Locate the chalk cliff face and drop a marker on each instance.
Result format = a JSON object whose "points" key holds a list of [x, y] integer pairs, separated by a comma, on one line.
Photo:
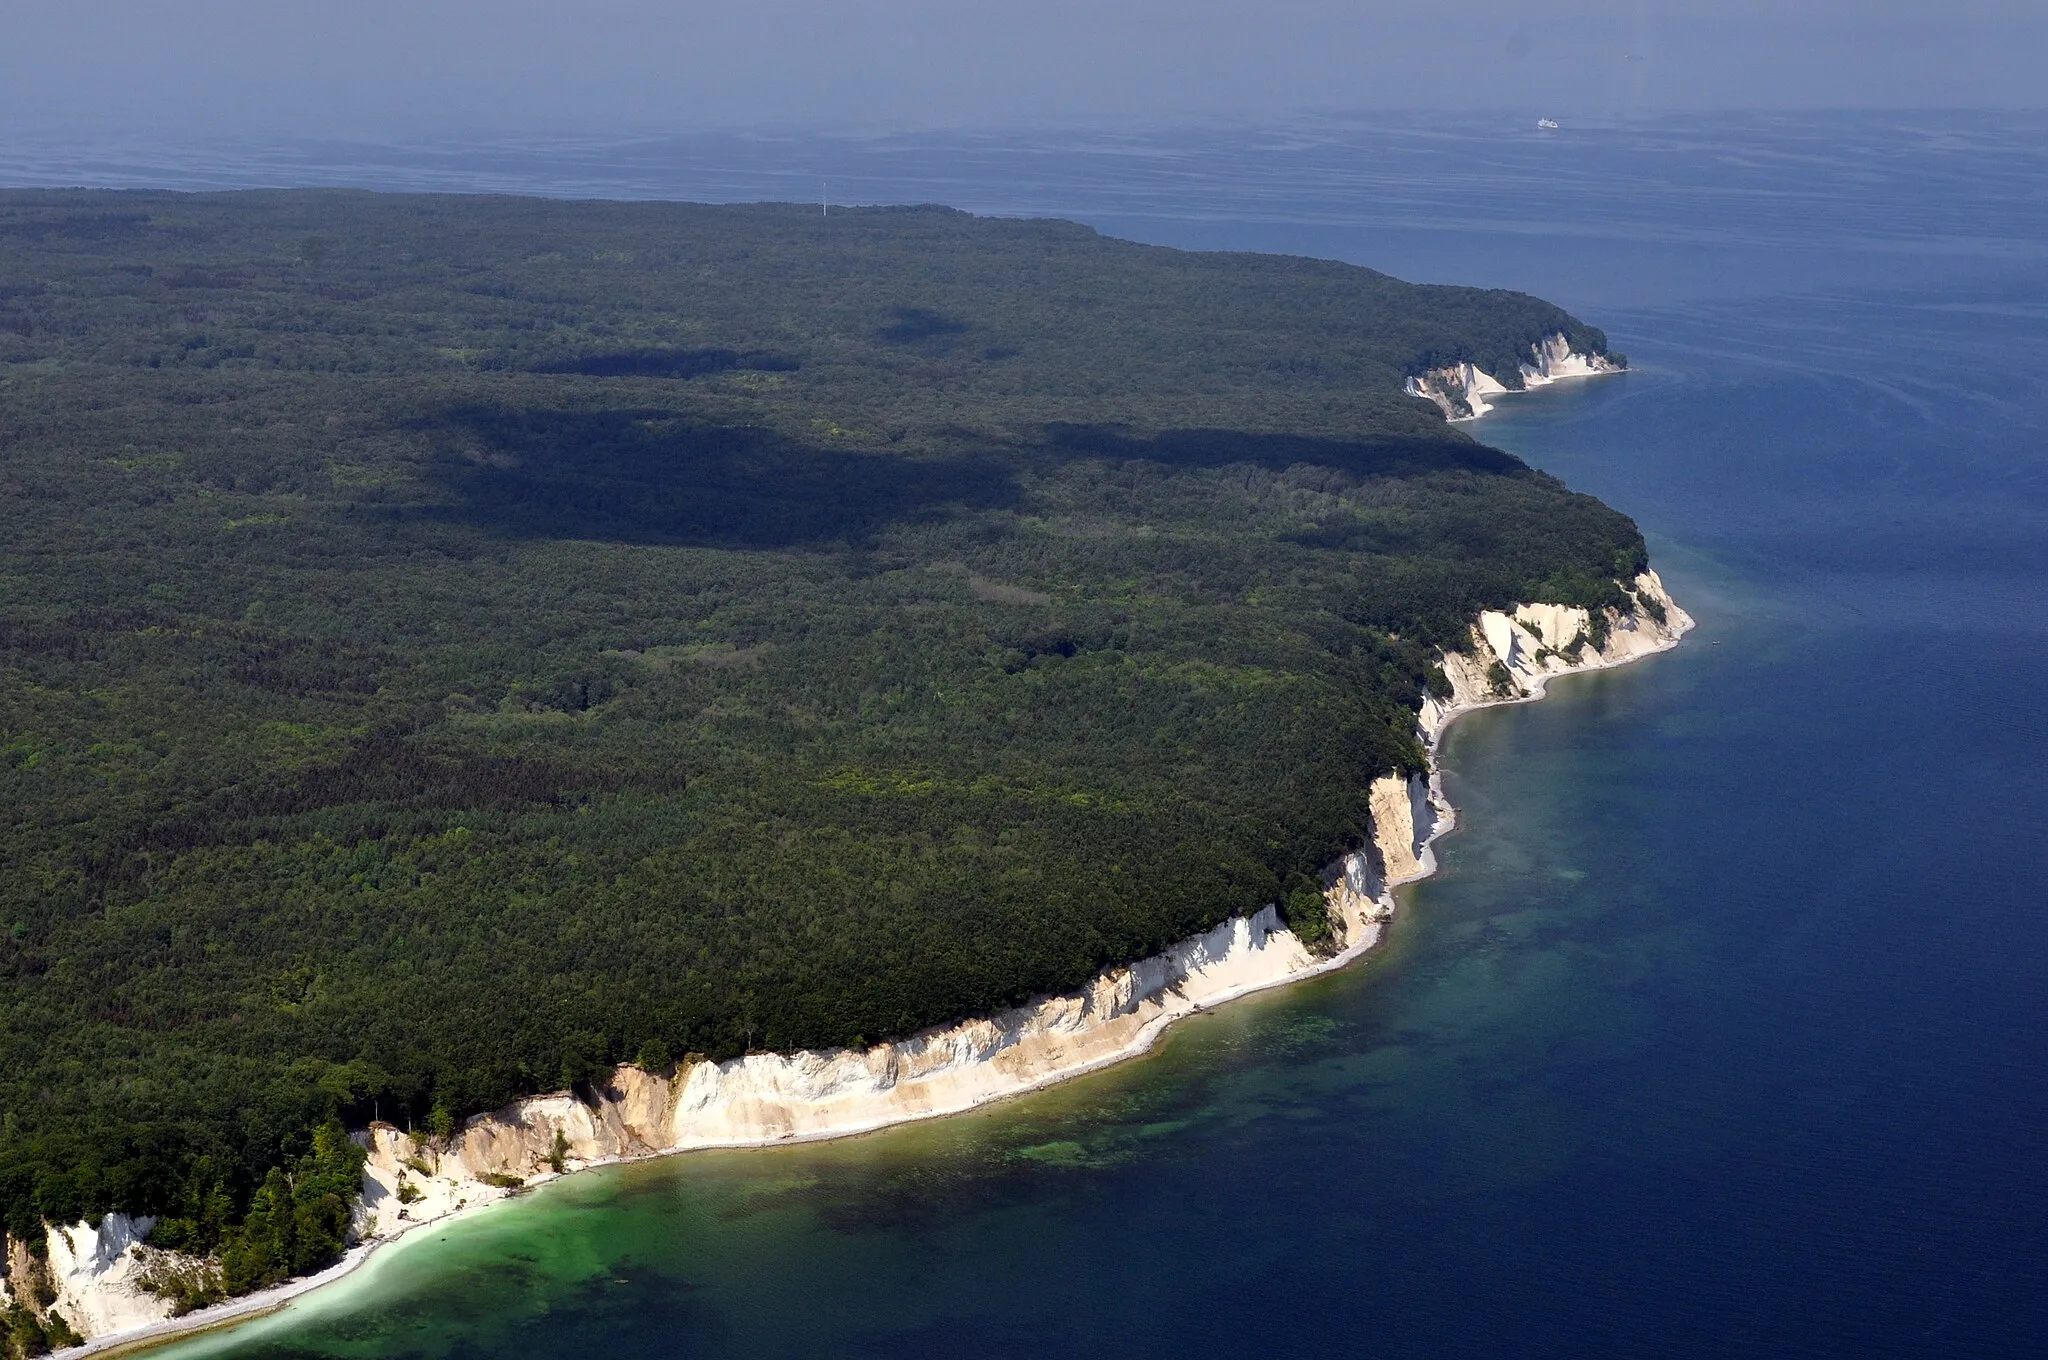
{"points": [[1553, 358], [21, 1271], [98, 1272], [783, 1097], [1461, 390], [1539, 641], [90, 1278]]}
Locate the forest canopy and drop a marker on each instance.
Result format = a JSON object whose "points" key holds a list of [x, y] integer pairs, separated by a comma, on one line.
{"points": [[452, 645]]}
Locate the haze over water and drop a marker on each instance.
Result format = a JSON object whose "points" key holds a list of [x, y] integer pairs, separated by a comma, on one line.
{"points": [[1720, 1033]]}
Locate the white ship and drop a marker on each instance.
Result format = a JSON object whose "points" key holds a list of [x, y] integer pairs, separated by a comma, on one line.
{"points": [[1547, 123]]}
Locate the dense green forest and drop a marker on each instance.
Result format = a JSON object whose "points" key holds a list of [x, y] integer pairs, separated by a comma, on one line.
{"points": [[449, 646]]}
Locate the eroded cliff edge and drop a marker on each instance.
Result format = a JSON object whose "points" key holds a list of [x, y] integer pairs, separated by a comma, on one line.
{"points": [[105, 1283]]}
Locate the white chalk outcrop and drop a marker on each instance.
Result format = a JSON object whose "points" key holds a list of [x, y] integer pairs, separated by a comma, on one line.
{"points": [[98, 1272], [1461, 390], [91, 1278], [1553, 358], [767, 1098], [1538, 642]]}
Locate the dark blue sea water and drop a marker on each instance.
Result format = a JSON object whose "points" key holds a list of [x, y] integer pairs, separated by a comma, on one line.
{"points": [[1722, 1031]]}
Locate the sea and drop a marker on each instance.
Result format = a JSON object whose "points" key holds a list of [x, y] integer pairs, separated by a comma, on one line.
{"points": [[1724, 1029]]}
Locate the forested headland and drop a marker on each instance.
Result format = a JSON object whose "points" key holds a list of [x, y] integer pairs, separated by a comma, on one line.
{"points": [[452, 645]]}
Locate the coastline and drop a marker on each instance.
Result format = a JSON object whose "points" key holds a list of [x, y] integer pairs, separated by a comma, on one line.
{"points": [[1357, 890]]}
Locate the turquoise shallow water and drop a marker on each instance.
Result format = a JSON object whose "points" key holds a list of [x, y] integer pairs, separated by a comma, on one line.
{"points": [[1720, 1032]]}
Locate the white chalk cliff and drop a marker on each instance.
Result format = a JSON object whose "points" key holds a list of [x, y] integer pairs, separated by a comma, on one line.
{"points": [[1553, 358], [1461, 390], [97, 1272], [767, 1098]]}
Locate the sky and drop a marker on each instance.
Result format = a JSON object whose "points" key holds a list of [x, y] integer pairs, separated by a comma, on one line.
{"points": [[342, 68]]}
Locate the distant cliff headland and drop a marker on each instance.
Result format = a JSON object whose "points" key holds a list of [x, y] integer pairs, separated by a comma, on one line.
{"points": [[463, 649]]}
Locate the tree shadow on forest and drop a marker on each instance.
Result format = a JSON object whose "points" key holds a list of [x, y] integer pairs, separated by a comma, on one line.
{"points": [[1391, 456], [668, 363], [913, 325], [650, 476], [653, 476]]}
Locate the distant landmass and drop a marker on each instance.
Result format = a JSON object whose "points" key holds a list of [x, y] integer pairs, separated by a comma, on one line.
{"points": [[455, 646]]}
